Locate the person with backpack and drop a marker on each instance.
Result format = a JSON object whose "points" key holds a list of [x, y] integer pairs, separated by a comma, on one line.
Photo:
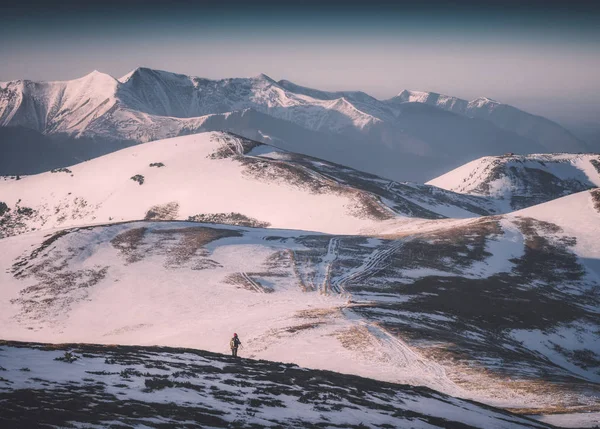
{"points": [[234, 344]]}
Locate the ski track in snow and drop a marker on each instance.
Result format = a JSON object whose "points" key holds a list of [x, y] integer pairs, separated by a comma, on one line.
{"points": [[374, 263], [324, 284], [257, 287], [405, 357]]}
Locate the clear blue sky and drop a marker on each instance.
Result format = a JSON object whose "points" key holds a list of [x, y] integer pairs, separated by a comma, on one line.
{"points": [[540, 55]]}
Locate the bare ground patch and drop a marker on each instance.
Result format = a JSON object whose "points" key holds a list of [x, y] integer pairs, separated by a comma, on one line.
{"points": [[232, 218], [452, 250], [168, 211], [233, 146], [302, 327], [319, 313], [357, 339], [129, 242], [595, 194], [466, 321], [191, 242], [57, 286]]}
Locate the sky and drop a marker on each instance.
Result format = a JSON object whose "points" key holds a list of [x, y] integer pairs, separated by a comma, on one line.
{"points": [[542, 56]]}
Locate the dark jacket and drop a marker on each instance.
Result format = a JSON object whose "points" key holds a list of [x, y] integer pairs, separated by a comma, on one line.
{"points": [[235, 342]]}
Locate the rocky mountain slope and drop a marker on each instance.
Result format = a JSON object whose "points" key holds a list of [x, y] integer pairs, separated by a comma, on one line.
{"points": [[149, 105], [518, 181], [168, 387], [500, 309], [221, 178]]}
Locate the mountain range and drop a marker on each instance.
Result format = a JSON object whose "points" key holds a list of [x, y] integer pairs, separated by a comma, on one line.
{"points": [[414, 136]]}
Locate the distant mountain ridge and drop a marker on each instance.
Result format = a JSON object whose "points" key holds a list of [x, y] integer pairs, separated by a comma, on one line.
{"points": [[409, 137], [546, 132]]}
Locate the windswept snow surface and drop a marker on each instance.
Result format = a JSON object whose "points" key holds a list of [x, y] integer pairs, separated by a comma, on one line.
{"points": [[158, 387], [475, 308], [519, 181], [193, 285], [216, 177]]}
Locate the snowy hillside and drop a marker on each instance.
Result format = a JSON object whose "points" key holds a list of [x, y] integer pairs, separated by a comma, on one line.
{"points": [[220, 177], [167, 387], [498, 309], [523, 181], [385, 137], [549, 134]]}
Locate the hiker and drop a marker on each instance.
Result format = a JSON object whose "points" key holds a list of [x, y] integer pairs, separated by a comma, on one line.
{"points": [[234, 344]]}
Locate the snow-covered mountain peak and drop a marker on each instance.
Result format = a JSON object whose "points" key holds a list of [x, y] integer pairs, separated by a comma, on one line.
{"points": [[96, 81], [483, 102], [446, 102], [261, 77], [145, 73], [94, 74], [413, 96]]}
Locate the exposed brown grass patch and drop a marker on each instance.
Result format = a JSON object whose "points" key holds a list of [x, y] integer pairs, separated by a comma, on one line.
{"points": [[128, 243], [595, 194], [56, 290], [319, 313], [168, 211], [191, 242], [450, 250], [547, 256], [232, 218], [554, 395], [356, 338], [303, 327]]}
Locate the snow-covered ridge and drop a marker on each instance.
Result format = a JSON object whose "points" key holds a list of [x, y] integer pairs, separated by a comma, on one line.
{"points": [[446, 102], [215, 174], [544, 131], [524, 180], [158, 386]]}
